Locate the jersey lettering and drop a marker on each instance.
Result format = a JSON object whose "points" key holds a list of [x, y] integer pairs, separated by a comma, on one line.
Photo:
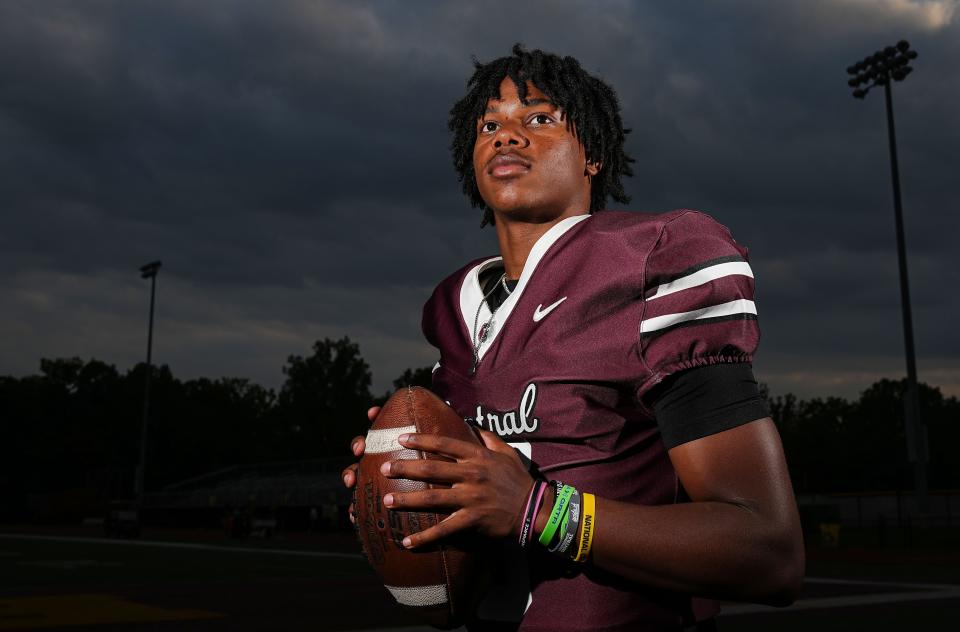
{"points": [[511, 422]]}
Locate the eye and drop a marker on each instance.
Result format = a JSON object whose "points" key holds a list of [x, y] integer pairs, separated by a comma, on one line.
{"points": [[538, 120], [488, 127]]}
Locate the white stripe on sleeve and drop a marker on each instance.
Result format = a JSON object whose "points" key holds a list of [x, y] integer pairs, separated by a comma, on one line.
{"points": [[705, 275], [740, 306]]}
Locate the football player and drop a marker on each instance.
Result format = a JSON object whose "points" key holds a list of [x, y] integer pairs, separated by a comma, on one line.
{"points": [[609, 351]]}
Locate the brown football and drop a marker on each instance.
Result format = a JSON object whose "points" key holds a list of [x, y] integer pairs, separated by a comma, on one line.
{"points": [[439, 583]]}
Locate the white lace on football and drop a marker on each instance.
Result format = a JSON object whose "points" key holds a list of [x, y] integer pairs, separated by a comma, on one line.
{"points": [[419, 595], [380, 441]]}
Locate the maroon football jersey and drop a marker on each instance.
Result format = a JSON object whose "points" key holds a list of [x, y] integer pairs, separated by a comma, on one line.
{"points": [[606, 307]]}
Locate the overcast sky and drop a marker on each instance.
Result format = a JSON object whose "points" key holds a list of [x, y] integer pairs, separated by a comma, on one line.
{"points": [[288, 161]]}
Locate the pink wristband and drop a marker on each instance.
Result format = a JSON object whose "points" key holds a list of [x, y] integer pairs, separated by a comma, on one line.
{"points": [[530, 510]]}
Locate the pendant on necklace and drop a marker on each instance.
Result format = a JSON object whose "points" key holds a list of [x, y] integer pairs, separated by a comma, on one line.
{"points": [[484, 332]]}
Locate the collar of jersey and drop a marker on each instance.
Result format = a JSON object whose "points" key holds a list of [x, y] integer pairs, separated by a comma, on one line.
{"points": [[471, 294]]}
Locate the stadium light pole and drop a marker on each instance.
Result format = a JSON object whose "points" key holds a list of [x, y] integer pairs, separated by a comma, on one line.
{"points": [[147, 271], [882, 68]]}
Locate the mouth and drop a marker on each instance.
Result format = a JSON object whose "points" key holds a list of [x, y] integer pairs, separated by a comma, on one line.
{"points": [[507, 166]]}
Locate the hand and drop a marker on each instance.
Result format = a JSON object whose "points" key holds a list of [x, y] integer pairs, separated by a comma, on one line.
{"points": [[357, 446], [489, 486]]}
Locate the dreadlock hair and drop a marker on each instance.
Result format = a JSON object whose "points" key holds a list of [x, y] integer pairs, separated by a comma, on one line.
{"points": [[590, 106]]}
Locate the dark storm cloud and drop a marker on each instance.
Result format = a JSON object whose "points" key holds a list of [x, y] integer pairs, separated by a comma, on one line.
{"points": [[289, 162], [155, 121]]}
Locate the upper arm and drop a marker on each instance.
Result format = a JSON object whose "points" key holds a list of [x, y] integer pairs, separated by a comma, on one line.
{"points": [[744, 466]]}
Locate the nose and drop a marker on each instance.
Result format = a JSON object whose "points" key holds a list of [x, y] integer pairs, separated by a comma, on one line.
{"points": [[511, 136]]}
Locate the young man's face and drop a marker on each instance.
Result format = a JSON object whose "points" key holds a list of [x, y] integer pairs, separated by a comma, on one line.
{"points": [[528, 165]]}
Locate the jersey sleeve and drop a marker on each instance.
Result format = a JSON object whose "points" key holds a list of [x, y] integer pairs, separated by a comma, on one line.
{"points": [[698, 305]]}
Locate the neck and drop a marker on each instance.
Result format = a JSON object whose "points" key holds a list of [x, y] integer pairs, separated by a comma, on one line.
{"points": [[517, 238]]}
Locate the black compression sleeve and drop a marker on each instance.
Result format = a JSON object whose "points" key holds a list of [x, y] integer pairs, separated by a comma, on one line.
{"points": [[706, 400]]}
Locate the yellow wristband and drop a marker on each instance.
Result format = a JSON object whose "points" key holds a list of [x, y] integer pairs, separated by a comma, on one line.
{"points": [[587, 527]]}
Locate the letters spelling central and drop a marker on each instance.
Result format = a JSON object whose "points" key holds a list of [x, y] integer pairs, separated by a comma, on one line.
{"points": [[512, 422]]}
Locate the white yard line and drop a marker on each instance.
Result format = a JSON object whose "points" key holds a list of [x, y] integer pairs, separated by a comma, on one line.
{"points": [[181, 545]]}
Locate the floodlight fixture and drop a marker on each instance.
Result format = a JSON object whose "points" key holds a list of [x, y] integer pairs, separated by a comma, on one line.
{"points": [[881, 68], [149, 270]]}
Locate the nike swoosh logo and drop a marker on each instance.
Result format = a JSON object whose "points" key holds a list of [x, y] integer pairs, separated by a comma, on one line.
{"points": [[539, 313]]}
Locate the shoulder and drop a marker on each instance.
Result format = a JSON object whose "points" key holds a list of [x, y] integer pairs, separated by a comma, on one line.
{"points": [[687, 241], [687, 222], [666, 242], [613, 220]]}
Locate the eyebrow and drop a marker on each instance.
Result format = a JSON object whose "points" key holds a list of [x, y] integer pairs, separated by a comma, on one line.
{"points": [[526, 103]]}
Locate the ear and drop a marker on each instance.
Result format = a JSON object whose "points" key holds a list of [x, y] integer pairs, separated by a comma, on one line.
{"points": [[592, 168]]}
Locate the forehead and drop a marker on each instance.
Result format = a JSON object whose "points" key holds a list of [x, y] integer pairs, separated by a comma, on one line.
{"points": [[509, 94]]}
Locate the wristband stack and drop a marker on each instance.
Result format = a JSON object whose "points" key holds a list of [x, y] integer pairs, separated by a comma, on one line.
{"points": [[570, 527]]}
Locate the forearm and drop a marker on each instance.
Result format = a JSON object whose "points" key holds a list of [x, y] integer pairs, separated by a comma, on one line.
{"points": [[706, 548], [739, 537]]}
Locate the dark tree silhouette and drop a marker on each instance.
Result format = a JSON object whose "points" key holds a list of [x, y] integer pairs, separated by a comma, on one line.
{"points": [[206, 424], [323, 401], [72, 431], [834, 445]]}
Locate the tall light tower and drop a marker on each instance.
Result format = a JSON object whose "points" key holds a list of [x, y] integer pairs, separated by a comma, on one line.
{"points": [[147, 271], [881, 69]]}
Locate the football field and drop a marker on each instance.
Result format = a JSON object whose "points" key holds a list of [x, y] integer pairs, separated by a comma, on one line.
{"points": [[320, 582]]}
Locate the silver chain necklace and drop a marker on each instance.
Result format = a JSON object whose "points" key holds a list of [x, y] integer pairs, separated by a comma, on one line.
{"points": [[480, 335]]}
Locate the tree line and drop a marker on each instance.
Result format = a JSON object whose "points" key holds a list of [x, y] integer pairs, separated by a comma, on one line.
{"points": [[838, 445], [77, 424]]}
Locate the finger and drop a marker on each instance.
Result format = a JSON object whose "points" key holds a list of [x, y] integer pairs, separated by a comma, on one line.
{"points": [[349, 475], [352, 509], [373, 412], [457, 521], [358, 445], [454, 448], [495, 443], [431, 499], [429, 470]]}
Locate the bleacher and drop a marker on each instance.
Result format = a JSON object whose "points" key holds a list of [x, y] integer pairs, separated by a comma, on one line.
{"points": [[308, 483]]}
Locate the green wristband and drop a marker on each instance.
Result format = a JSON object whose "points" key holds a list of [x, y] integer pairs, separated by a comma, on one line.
{"points": [[560, 507], [570, 525]]}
